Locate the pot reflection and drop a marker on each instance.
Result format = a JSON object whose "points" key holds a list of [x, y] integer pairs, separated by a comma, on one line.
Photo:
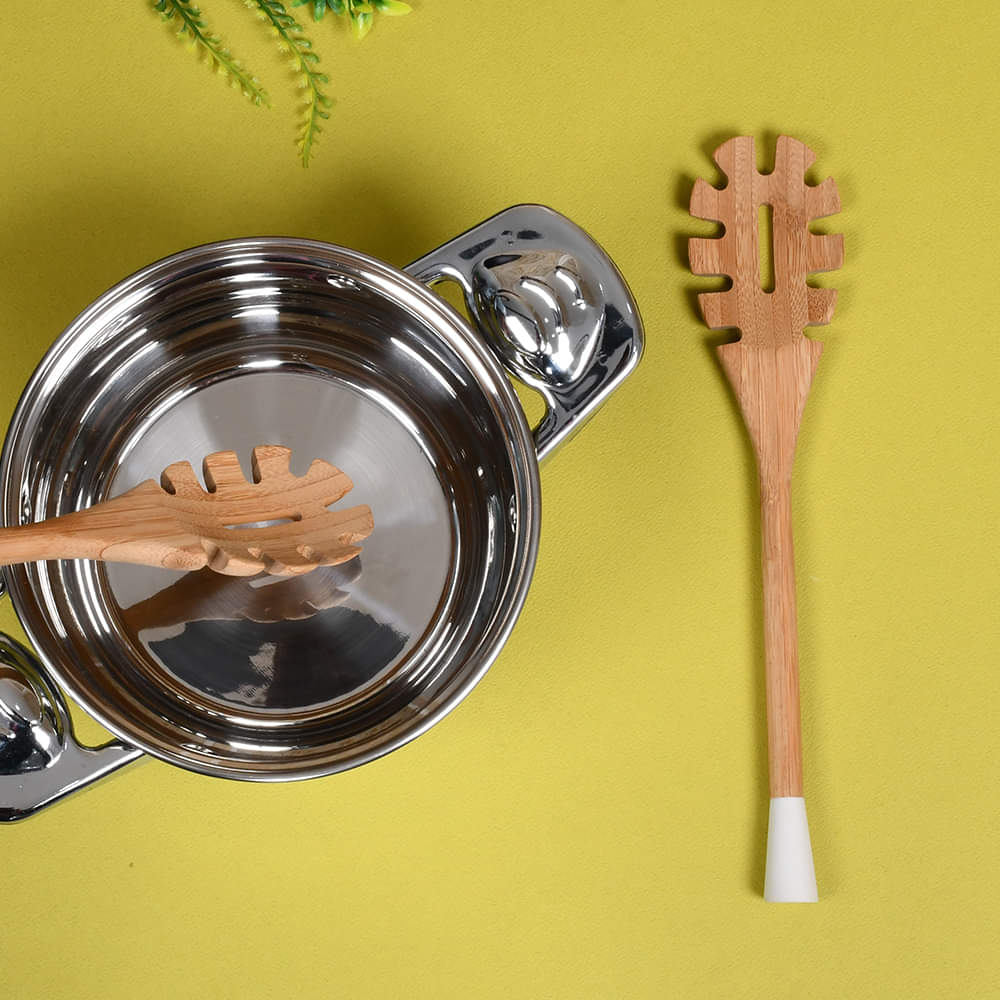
{"points": [[254, 642], [209, 596]]}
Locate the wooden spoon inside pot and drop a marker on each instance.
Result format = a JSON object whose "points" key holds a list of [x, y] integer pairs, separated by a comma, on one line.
{"points": [[279, 523]]}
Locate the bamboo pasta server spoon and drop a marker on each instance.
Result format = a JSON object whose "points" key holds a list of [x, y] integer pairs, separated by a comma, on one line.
{"points": [[771, 368], [278, 524]]}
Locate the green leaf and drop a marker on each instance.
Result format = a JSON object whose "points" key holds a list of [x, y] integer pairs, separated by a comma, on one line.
{"points": [[392, 8], [206, 41], [361, 24], [292, 39]]}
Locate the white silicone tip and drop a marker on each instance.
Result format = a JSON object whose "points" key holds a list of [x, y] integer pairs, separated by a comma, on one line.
{"points": [[789, 876]]}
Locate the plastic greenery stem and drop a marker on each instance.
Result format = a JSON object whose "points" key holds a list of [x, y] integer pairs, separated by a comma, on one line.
{"points": [[202, 38], [292, 39]]}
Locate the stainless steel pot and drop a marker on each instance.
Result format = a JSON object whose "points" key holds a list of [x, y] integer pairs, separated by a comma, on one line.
{"points": [[341, 357]]}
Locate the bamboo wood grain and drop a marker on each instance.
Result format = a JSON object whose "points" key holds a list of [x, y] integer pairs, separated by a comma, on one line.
{"points": [[771, 369], [179, 524]]}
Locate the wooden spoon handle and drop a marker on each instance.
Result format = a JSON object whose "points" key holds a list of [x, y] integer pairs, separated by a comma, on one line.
{"points": [[124, 529], [781, 643], [771, 386], [56, 538]]}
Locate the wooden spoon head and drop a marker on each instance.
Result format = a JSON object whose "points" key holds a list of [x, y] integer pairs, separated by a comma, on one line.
{"points": [[766, 319], [279, 523]]}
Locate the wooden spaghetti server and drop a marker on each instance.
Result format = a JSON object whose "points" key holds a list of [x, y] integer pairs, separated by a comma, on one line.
{"points": [[771, 368], [278, 524]]}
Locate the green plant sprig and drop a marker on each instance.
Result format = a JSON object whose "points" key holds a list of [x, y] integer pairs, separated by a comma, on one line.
{"points": [[360, 12], [292, 39], [219, 56]]}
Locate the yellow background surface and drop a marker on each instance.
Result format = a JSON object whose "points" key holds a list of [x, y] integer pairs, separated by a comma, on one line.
{"points": [[590, 822]]}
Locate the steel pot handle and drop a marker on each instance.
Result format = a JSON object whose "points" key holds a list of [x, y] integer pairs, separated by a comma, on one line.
{"points": [[40, 758], [552, 306]]}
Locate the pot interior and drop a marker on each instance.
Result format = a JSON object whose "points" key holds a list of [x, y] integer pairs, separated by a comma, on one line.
{"points": [[337, 357]]}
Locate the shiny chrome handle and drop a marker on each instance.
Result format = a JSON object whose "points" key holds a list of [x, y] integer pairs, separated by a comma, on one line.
{"points": [[40, 758], [551, 304]]}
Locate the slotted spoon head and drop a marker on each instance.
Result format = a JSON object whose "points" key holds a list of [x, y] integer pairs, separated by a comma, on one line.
{"points": [[279, 523], [776, 317]]}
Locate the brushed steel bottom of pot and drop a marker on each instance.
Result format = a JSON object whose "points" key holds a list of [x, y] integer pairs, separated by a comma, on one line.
{"points": [[271, 648]]}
